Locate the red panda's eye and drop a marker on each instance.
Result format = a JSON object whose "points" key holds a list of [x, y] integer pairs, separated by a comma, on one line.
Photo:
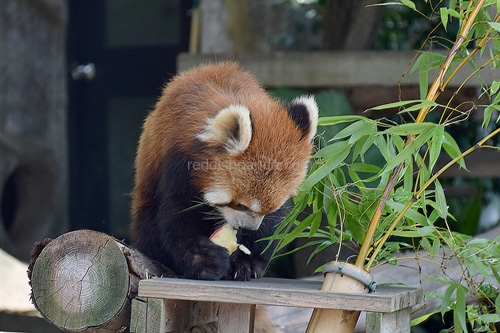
{"points": [[220, 205], [241, 207]]}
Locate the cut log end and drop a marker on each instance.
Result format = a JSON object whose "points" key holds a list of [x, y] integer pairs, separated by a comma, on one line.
{"points": [[85, 280], [80, 280]]}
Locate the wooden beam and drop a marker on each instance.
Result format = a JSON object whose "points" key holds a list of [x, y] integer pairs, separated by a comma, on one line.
{"points": [[328, 69]]}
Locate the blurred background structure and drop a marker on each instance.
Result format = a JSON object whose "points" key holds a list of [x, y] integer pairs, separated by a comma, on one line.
{"points": [[33, 123]]}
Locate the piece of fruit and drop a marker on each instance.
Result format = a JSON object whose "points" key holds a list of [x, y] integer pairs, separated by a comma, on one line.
{"points": [[225, 236]]}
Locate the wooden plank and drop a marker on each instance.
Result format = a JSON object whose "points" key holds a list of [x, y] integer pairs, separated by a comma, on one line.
{"points": [[286, 292], [172, 315], [155, 315], [328, 69], [147, 315], [138, 317], [201, 313], [236, 317], [394, 322]]}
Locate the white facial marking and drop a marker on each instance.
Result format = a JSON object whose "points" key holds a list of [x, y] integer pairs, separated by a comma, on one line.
{"points": [[217, 196], [255, 207], [240, 219]]}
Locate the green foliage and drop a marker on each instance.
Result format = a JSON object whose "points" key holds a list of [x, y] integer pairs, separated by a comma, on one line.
{"points": [[375, 183]]}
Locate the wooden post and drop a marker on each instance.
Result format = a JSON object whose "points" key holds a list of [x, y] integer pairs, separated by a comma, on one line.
{"points": [[234, 317], [84, 280], [394, 322], [341, 321]]}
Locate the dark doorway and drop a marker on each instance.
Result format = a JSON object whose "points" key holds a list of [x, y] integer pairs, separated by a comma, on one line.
{"points": [[120, 54]]}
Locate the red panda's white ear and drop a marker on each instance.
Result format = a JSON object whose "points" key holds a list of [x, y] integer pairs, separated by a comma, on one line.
{"points": [[304, 112], [230, 128]]}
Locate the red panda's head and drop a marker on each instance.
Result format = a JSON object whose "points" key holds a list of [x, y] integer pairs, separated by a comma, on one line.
{"points": [[258, 157]]}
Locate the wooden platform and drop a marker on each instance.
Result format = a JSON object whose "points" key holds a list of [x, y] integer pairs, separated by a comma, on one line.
{"points": [[233, 303]]}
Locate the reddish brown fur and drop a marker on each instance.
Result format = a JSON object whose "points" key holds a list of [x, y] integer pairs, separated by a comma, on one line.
{"points": [[190, 100], [187, 171]]}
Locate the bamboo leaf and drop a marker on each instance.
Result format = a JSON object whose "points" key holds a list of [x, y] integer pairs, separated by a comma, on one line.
{"points": [[286, 225], [488, 112], [408, 177], [298, 248], [435, 146], [494, 87], [366, 130], [330, 164], [495, 26], [423, 77], [436, 245], [383, 146], [321, 246], [452, 149], [409, 4], [460, 307], [410, 149], [331, 215], [442, 207], [359, 147], [332, 149], [364, 167], [422, 319], [398, 142], [411, 214], [329, 121], [368, 144], [423, 104], [478, 242], [410, 129], [416, 105], [416, 65], [496, 275], [490, 317], [356, 179], [353, 129], [425, 231], [424, 242], [338, 178], [406, 234], [315, 224], [454, 13], [443, 11], [446, 304], [373, 169], [423, 176], [354, 226], [295, 232]]}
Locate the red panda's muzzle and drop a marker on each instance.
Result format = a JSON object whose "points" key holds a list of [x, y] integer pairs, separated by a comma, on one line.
{"points": [[241, 219]]}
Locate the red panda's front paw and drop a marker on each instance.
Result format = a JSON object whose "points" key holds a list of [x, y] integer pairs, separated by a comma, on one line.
{"points": [[209, 262], [246, 270]]}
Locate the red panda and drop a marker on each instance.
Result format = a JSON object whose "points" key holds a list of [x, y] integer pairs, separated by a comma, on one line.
{"points": [[217, 149]]}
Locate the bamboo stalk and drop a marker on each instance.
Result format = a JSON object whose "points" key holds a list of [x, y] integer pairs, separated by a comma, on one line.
{"points": [[341, 321], [437, 87]]}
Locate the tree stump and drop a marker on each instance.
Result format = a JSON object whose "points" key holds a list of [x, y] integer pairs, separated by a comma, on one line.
{"points": [[84, 281]]}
